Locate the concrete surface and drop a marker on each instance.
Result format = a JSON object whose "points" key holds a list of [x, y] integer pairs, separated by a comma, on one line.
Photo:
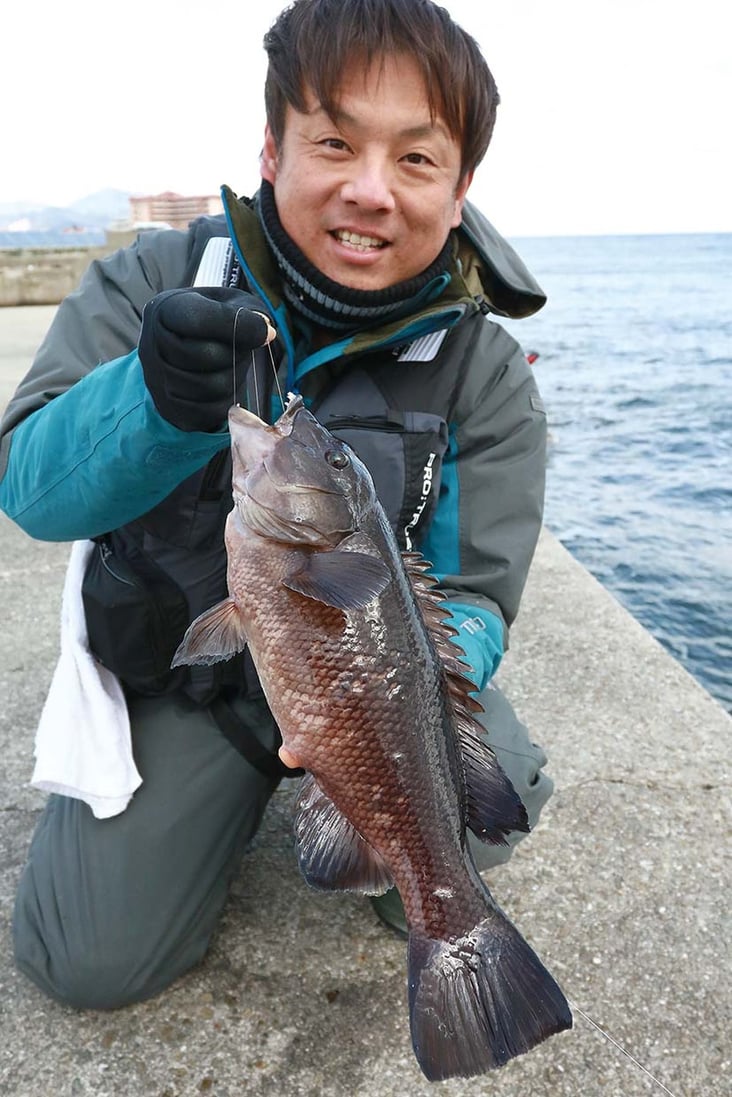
{"points": [[621, 888]]}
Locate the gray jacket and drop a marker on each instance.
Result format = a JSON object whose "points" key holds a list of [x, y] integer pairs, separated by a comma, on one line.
{"points": [[442, 406]]}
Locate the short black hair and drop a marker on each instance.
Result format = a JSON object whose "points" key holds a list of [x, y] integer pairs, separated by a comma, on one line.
{"points": [[312, 42]]}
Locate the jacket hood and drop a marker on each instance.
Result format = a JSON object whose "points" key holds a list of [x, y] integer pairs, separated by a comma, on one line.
{"points": [[508, 286]]}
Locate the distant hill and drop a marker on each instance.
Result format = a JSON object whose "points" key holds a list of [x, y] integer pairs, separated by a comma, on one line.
{"points": [[93, 212], [106, 205]]}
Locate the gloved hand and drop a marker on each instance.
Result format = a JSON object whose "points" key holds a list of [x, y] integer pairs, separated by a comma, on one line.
{"points": [[187, 351]]}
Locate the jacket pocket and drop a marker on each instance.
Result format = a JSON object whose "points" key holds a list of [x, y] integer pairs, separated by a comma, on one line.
{"points": [[135, 616], [403, 451]]}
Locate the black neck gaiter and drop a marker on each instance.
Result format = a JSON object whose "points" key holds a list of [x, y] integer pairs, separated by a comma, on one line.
{"points": [[331, 305]]}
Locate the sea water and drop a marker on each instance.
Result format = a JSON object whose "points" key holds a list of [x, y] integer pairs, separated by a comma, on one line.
{"points": [[635, 368]]}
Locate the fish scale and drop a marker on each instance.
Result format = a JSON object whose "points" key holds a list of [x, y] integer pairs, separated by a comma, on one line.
{"points": [[372, 701]]}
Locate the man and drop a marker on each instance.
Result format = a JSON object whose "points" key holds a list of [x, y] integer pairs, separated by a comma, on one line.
{"points": [[378, 277]]}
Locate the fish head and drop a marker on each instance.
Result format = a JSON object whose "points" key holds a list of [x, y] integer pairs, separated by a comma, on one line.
{"points": [[294, 481]]}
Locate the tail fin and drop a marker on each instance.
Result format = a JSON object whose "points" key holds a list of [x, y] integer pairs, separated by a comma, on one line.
{"points": [[477, 1001]]}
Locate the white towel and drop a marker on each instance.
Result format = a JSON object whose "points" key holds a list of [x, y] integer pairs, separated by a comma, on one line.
{"points": [[83, 745]]}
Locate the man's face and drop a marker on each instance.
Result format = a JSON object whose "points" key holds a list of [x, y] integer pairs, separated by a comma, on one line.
{"points": [[370, 197]]}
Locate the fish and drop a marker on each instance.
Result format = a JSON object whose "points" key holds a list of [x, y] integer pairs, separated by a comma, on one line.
{"points": [[372, 699]]}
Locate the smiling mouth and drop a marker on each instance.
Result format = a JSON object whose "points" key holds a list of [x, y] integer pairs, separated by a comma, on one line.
{"points": [[357, 241]]}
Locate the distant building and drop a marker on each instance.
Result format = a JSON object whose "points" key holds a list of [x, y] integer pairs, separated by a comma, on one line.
{"points": [[176, 210]]}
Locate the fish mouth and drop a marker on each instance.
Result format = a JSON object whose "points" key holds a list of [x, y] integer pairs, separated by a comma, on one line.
{"points": [[252, 440], [242, 417], [255, 441], [295, 403]]}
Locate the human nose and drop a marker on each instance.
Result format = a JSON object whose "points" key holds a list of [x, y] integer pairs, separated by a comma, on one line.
{"points": [[369, 184]]}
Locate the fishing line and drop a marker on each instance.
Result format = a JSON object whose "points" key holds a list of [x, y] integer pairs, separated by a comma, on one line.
{"points": [[607, 1036], [256, 385], [233, 358], [254, 372], [274, 373]]}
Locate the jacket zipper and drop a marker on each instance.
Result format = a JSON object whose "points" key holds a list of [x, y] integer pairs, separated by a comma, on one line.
{"points": [[374, 422], [107, 556]]}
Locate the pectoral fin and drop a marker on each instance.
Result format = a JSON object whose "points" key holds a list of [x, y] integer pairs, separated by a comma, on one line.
{"points": [[217, 634], [344, 579], [333, 855]]}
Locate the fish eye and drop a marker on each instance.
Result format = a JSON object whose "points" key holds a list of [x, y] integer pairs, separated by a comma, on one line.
{"points": [[337, 459]]}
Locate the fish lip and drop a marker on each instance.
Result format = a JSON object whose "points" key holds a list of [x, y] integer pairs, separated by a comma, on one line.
{"points": [[242, 417], [245, 418], [256, 437], [295, 404]]}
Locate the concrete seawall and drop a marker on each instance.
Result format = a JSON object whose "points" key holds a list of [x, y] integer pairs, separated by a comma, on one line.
{"points": [[44, 276], [621, 889], [41, 276]]}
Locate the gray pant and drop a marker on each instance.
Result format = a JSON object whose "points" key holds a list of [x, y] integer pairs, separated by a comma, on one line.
{"points": [[111, 911], [523, 763]]}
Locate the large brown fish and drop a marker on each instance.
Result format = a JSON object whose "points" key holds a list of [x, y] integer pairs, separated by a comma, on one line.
{"points": [[369, 694]]}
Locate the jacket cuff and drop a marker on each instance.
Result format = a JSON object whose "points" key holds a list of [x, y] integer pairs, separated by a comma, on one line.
{"points": [[480, 636]]}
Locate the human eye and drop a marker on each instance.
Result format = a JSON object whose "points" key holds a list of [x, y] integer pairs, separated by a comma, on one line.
{"points": [[418, 159], [335, 143]]}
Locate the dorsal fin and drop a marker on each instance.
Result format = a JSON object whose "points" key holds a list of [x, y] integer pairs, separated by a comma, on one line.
{"points": [[493, 808], [430, 601]]}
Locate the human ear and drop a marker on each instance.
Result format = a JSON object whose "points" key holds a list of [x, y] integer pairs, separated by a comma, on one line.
{"points": [[460, 193], [268, 157]]}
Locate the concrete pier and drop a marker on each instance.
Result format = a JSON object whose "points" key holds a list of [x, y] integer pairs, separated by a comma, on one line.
{"points": [[623, 889]]}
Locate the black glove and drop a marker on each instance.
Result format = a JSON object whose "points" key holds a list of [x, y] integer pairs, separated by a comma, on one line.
{"points": [[187, 352]]}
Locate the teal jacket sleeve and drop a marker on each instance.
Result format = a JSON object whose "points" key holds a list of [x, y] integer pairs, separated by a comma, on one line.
{"points": [[97, 456], [480, 638]]}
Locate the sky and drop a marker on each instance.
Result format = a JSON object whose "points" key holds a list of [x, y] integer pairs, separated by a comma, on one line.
{"points": [[614, 114]]}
